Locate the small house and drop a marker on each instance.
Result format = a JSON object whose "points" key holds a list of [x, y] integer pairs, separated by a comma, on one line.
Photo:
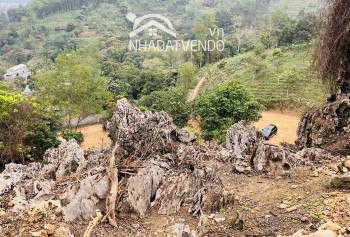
{"points": [[17, 71]]}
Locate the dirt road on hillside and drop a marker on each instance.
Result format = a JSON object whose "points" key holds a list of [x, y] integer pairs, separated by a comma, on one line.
{"points": [[193, 93], [287, 125]]}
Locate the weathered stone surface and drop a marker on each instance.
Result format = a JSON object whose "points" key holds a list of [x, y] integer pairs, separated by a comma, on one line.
{"points": [[88, 199], [15, 173], [341, 181], [185, 136], [143, 187], [323, 127], [241, 142], [138, 132], [248, 151], [43, 190], [68, 158], [143, 134], [312, 154], [270, 158], [201, 189]]}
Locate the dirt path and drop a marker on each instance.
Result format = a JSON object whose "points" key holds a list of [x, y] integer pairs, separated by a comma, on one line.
{"points": [[94, 136], [287, 125], [193, 94]]}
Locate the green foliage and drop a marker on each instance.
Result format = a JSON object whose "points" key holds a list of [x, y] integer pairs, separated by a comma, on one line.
{"points": [[71, 134], [74, 87], [278, 77], [223, 107], [171, 101], [27, 129], [187, 75]]}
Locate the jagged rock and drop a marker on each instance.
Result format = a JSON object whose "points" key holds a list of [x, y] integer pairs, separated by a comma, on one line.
{"points": [[144, 133], [247, 151], [313, 154], [185, 136], [201, 189], [43, 190], [19, 202], [143, 187], [341, 181], [90, 197], [241, 142], [323, 127], [15, 173], [68, 158], [270, 158], [140, 132]]}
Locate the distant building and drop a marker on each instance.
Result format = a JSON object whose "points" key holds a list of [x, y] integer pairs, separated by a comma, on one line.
{"points": [[17, 71]]}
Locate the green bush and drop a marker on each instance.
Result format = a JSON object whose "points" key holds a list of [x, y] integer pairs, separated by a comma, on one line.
{"points": [[27, 128], [171, 101], [223, 107], [277, 53], [70, 134]]}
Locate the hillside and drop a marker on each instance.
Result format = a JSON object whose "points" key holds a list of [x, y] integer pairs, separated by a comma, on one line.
{"points": [[44, 29], [293, 7], [274, 76]]}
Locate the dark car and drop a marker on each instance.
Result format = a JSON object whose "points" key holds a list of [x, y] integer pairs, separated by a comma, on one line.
{"points": [[269, 131]]}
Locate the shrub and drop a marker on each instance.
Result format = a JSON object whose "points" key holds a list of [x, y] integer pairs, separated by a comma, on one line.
{"points": [[224, 107], [70, 134]]}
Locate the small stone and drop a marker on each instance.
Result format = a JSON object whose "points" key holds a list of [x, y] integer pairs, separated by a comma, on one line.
{"points": [[294, 186], [268, 216], [293, 208], [211, 216], [283, 206], [341, 181], [218, 220], [314, 174], [304, 219], [50, 229], [41, 233]]}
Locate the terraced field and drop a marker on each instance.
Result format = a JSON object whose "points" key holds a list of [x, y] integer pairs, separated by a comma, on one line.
{"points": [[274, 77]]}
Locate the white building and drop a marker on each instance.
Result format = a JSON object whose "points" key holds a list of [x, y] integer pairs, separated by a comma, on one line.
{"points": [[17, 71]]}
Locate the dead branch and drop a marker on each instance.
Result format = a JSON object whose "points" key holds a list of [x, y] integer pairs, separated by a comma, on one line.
{"points": [[112, 195], [92, 224]]}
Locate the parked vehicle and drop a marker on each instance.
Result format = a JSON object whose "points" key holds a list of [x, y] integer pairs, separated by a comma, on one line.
{"points": [[269, 131]]}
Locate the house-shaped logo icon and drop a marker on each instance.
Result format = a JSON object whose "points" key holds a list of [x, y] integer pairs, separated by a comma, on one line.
{"points": [[152, 25]]}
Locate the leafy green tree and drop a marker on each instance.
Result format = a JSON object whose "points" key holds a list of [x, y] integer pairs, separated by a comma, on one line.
{"points": [[223, 107], [74, 87], [27, 128], [171, 101]]}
